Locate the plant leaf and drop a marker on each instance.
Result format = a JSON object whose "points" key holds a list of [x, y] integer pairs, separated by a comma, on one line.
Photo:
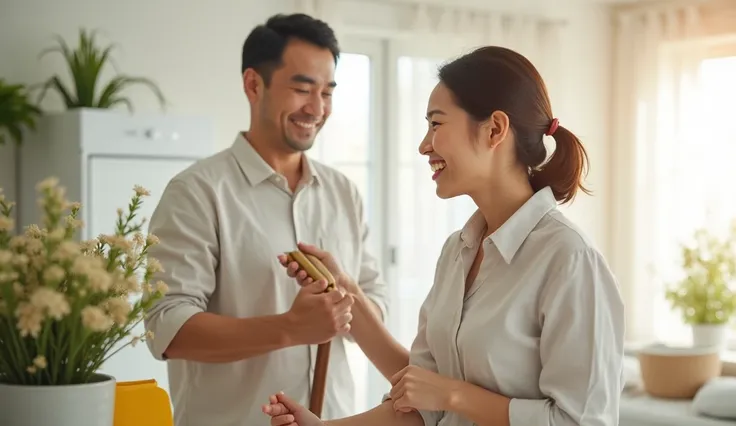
{"points": [[119, 83], [124, 101], [16, 112]]}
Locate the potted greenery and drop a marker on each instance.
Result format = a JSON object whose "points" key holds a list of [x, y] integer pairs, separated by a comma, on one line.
{"points": [[706, 296], [16, 112], [66, 307], [85, 64]]}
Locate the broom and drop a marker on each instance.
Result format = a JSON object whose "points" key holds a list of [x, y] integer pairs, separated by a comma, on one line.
{"points": [[316, 270]]}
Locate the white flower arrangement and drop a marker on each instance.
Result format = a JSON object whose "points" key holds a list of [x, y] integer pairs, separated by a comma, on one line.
{"points": [[64, 304]]}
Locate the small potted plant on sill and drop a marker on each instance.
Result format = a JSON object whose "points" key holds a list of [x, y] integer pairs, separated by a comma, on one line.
{"points": [[706, 296], [66, 307]]}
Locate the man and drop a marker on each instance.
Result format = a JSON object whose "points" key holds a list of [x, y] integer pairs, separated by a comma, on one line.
{"points": [[234, 327]]}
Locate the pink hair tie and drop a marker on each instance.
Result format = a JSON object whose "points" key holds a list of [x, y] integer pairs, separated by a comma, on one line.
{"points": [[553, 127]]}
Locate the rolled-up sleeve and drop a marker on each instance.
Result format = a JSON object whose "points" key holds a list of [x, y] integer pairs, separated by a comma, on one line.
{"points": [[185, 223], [581, 348]]}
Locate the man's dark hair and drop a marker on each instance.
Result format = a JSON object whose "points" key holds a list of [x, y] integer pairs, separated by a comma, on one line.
{"points": [[263, 49]]}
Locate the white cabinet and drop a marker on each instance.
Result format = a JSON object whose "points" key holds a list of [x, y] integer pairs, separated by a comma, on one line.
{"points": [[99, 156]]}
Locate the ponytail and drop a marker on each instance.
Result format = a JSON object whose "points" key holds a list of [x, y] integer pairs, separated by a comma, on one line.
{"points": [[565, 169]]}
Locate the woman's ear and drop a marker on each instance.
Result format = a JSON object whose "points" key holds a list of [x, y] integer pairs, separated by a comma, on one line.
{"points": [[496, 128]]}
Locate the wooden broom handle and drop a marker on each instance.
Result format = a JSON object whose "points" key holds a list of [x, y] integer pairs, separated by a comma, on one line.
{"points": [[319, 380]]}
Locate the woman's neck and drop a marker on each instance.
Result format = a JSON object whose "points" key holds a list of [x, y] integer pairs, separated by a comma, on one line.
{"points": [[499, 202]]}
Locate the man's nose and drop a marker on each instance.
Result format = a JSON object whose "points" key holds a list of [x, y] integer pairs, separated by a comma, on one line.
{"points": [[315, 106]]}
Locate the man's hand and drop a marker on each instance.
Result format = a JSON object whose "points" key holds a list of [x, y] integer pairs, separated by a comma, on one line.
{"points": [[342, 279], [316, 317], [285, 412]]}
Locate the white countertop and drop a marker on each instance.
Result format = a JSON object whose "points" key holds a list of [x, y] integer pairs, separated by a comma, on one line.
{"points": [[640, 409]]}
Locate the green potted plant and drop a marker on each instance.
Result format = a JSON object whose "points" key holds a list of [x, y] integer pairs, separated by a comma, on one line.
{"points": [[705, 296], [16, 112], [85, 64], [68, 306]]}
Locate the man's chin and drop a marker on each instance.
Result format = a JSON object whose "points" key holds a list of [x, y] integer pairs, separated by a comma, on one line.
{"points": [[300, 145]]}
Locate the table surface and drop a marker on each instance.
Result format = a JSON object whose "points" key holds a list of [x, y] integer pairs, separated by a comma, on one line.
{"points": [[640, 409]]}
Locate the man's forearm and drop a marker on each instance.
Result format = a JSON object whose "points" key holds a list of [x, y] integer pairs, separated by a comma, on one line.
{"points": [[385, 352], [208, 337], [383, 415]]}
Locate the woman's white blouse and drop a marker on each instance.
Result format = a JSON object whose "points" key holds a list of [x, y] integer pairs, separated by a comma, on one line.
{"points": [[543, 323]]}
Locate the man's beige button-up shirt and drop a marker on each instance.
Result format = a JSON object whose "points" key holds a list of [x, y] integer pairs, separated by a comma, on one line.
{"points": [[221, 224]]}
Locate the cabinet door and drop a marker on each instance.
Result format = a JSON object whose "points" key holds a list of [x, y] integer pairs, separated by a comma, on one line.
{"points": [[110, 182]]}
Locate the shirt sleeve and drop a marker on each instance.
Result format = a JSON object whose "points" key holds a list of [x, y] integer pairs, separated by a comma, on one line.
{"points": [[185, 223], [581, 348]]}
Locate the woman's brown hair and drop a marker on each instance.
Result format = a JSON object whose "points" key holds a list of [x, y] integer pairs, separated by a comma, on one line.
{"points": [[494, 78]]}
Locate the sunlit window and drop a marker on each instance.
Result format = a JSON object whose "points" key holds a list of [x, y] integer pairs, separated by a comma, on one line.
{"points": [[696, 188]]}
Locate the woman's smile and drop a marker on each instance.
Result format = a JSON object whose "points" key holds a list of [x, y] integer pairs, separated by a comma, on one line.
{"points": [[438, 166]]}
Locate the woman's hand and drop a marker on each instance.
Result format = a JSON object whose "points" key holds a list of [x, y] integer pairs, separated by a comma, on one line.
{"points": [[414, 388], [293, 270], [285, 412]]}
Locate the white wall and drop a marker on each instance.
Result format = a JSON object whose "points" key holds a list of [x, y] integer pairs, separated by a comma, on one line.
{"points": [[583, 104], [193, 52]]}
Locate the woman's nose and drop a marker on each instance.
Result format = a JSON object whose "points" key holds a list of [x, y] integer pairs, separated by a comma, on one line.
{"points": [[425, 146]]}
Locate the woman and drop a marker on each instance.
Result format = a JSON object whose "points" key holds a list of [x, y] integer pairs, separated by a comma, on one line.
{"points": [[524, 323]]}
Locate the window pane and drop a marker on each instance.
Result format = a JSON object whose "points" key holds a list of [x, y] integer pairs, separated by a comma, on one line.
{"points": [[699, 165], [346, 136]]}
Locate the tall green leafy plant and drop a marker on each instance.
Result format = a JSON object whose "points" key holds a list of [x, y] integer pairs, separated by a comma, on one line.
{"points": [[16, 112], [85, 64], [706, 295]]}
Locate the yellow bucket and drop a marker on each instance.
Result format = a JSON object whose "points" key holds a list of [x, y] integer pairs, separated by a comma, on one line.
{"points": [[142, 403]]}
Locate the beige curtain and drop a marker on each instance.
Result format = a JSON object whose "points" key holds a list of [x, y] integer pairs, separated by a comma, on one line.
{"points": [[656, 87]]}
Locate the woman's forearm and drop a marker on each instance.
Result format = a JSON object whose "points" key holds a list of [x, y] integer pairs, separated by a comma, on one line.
{"points": [[383, 415], [385, 352], [481, 406]]}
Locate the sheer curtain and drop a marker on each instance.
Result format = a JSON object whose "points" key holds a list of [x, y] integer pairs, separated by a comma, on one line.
{"points": [[663, 166]]}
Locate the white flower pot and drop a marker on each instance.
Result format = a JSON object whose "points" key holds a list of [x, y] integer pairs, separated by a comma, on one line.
{"points": [[710, 335], [91, 404]]}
